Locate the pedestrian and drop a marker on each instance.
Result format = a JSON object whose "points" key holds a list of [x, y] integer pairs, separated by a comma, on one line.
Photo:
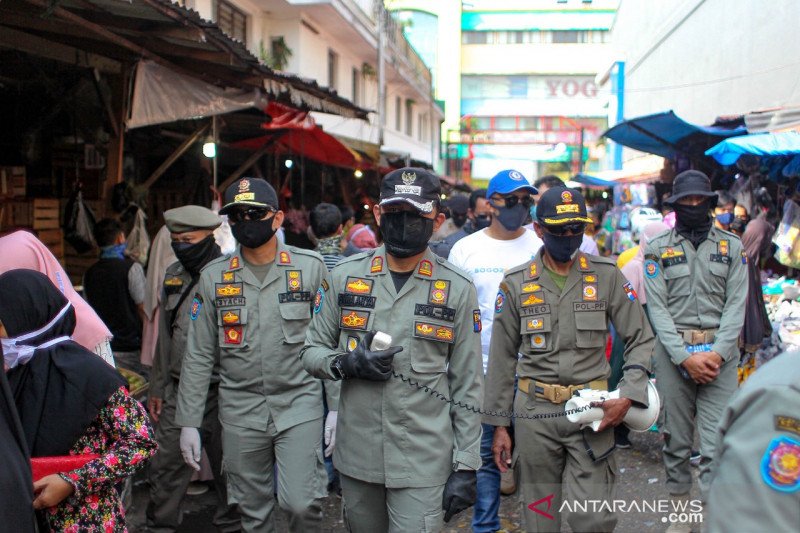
{"points": [[252, 308], [114, 286], [724, 210], [456, 209], [360, 238], [160, 257], [191, 230], [696, 282], [70, 402], [478, 218], [485, 256], [23, 250], [755, 478], [407, 460], [588, 244], [554, 311], [326, 223]]}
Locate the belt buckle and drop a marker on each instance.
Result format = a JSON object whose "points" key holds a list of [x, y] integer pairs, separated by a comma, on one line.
{"points": [[698, 337]]}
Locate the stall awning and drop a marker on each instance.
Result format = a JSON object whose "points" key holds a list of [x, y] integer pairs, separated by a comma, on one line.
{"points": [[668, 135], [591, 181], [728, 151]]}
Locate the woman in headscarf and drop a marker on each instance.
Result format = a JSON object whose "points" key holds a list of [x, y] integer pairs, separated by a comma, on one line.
{"points": [[23, 250], [360, 238], [756, 240], [161, 256], [634, 272], [69, 403]]}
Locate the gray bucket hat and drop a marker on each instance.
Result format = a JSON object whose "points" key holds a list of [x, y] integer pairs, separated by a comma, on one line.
{"points": [[691, 183]]}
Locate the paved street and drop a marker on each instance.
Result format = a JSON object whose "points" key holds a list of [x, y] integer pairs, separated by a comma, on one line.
{"points": [[641, 478]]}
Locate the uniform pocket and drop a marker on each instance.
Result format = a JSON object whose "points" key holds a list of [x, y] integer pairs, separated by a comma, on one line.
{"points": [[232, 325], [678, 281], [295, 319], [430, 346], [591, 329], [537, 332]]}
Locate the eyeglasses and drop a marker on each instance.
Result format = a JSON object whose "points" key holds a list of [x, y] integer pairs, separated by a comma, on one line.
{"points": [[252, 213], [575, 229], [513, 200]]}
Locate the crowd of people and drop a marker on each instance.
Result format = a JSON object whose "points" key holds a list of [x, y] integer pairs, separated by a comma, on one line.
{"points": [[417, 362]]}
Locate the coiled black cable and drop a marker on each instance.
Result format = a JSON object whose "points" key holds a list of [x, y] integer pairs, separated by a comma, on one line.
{"points": [[502, 414]]}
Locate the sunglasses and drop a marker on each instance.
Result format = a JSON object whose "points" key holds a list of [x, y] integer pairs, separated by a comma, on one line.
{"points": [[512, 200], [575, 229], [252, 213]]}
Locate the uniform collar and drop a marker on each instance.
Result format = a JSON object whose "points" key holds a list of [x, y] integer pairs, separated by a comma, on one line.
{"points": [[535, 272]]}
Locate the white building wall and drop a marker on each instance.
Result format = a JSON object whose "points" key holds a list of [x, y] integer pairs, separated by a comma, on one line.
{"points": [[705, 58]]}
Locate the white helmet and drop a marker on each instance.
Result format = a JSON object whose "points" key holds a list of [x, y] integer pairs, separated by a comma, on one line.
{"points": [[641, 217]]}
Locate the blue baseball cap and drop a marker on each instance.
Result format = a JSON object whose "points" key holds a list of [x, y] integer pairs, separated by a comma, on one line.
{"points": [[508, 181]]}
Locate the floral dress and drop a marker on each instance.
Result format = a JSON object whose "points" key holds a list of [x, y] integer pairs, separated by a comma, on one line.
{"points": [[122, 436]]}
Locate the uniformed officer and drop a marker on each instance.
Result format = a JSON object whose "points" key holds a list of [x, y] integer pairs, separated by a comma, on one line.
{"points": [[554, 311], [403, 455], [254, 307], [191, 229], [755, 479], [696, 283]]}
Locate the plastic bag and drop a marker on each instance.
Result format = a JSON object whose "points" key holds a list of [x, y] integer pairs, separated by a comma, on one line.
{"points": [[787, 236], [79, 224], [138, 239]]}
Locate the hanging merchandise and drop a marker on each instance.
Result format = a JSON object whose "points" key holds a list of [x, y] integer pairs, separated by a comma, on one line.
{"points": [[79, 223], [138, 240], [787, 237]]}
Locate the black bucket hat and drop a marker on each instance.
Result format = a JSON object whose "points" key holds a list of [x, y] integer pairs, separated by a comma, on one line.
{"points": [[691, 183]]}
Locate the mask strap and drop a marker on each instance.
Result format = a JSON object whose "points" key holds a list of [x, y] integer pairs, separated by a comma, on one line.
{"points": [[41, 330]]}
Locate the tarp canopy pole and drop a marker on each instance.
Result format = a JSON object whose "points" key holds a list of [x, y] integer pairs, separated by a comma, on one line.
{"points": [[654, 136], [179, 151], [249, 162]]}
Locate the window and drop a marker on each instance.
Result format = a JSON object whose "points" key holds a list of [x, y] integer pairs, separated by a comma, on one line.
{"points": [[409, 117], [566, 36], [518, 86], [398, 114], [232, 21], [333, 65], [474, 37], [356, 85]]}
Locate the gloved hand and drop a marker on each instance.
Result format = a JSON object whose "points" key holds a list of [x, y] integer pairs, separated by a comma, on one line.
{"points": [[330, 432], [460, 492], [367, 364], [190, 447]]}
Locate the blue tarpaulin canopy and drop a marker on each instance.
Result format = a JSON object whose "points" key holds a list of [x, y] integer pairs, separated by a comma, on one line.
{"points": [[591, 181], [763, 144], [667, 135]]}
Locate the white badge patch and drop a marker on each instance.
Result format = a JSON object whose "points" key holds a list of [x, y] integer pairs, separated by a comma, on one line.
{"points": [[408, 189], [538, 341]]}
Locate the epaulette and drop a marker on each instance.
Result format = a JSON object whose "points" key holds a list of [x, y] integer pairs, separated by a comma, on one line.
{"points": [[518, 268], [306, 252], [354, 257], [600, 259], [451, 267], [175, 268], [220, 259], [728, 234]]}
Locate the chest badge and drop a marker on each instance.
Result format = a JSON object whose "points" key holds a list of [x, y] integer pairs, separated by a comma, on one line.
{"points": [[351, 319], [173, 281], [590, 292], [722, 247], [533, 299], [530, 287], [227, 277], [439, 294], [233, 335], [229, 289], [231, 317], [358, 285], [294, 280]]}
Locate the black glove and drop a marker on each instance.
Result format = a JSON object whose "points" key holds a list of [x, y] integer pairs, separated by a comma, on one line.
{"points": [[460, 493], [367, 364]]}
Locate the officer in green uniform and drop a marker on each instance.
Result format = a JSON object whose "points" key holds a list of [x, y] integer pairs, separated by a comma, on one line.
{"points": [[403, 455], [696, 283], [254, 308], [191, 228], [755, 480], [554, 311]]}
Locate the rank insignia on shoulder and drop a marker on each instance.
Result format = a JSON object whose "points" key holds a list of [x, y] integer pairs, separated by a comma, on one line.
{"points": [[533, 299], [294, 280], [228, 289], [377, 265], [425, 268], [356, 285], [284, 259], [440, 291], [352, 319], [233, 334], [530, 287], [583, 263], [227, 276], [234, 264], [744, 257], [476, 320], [630, 291], [231, 317], [173, 281], [780, 465], [650, 268], [352, 342], [197, 304], [318, 299], [325, 286], [533, 271]]}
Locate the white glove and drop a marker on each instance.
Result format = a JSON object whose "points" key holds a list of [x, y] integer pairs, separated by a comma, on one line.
{"points": [[190, 447], [330, 432]]}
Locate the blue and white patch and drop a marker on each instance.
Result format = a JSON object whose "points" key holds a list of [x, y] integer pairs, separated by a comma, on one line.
{"points": [[780, 465], [197, 304], [318, 299], [650, 268]]}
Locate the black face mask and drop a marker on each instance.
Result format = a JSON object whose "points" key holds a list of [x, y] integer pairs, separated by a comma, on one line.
{"points": [[738, 225], [194, 256], [405, 233], [482, 222], [562, 249], [691, 216], [512, 218], [253, 233], [459, 219]]}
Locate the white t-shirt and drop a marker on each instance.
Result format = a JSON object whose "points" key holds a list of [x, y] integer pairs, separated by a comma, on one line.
{"points": [[485, 260]]}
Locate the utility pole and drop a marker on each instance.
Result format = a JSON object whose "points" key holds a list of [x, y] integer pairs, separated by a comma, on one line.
{"points": [[381, 71]]}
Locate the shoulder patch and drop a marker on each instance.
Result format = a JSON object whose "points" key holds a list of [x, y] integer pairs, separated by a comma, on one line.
{"points": [[780, 464], [318, 299], [476, 320], [500, 300], [629, 291], [744, 257], [650, 268], [197, 304], [325, 285]]}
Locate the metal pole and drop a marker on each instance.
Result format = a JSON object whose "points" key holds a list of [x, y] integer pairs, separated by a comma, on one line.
{"points": [[580, 153], [620, 93], [216, 148], [381, 71]]}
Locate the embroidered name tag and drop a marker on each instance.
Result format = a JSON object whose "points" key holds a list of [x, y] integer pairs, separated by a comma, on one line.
{"points": [[356, 300], [435, 311], [602, 305], [535, 310], [237, 301], [719, 258], [288, 297], [672, 261]]}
